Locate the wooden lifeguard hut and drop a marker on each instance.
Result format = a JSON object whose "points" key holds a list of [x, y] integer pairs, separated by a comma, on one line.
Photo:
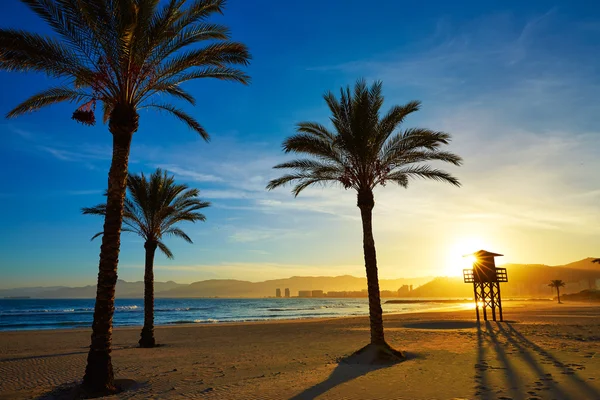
{"points": [[486, 279]]}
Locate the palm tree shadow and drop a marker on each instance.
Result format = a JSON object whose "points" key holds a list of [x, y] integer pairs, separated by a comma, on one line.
{"points": [[511, 374], [347, 370], [525, 345], [481, 380]]}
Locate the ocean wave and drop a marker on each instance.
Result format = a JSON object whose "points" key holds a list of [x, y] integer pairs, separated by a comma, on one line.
{"points": [[182, 309], [126, 308], [38, 325], [59, 311], [321, 307], [195, 321]]}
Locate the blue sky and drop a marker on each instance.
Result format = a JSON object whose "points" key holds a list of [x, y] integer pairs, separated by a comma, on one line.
{"points": [[515, 82]]}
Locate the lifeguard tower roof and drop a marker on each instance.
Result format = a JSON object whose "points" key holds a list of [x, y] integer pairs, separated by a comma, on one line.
{"points": [[484, 254]]}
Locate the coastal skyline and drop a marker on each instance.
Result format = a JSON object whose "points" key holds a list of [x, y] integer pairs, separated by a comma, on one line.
{"points": [[514, 86]]}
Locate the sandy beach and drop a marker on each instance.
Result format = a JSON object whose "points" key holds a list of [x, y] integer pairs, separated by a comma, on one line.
{"points": [[543, 351]]}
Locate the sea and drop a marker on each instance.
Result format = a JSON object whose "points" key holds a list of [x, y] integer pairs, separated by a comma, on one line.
{"points": [[28, 314]]}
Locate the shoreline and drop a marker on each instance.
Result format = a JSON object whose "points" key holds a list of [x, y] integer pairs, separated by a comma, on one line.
{"points": [[77, 314], [448, 308]]}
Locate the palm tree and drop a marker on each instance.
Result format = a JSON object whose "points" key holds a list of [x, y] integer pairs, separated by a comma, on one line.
{"points": [[126, 54], [152, 210], [362, 152], [557, 283]]}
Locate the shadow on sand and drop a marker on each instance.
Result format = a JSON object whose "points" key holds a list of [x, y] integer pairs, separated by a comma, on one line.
{"points": [[346, 370], [74, 391], [43, 356], [497, 338]]}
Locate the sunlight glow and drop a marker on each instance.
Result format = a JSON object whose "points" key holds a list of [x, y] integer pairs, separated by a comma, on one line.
{"points": [[456, 260]]}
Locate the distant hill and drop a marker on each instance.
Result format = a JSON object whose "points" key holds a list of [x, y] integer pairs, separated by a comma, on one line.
{"points": [[218, 287], [524, 280], [29, 291], [584, 295], [124, 290], [586, 264], [236, 288]]}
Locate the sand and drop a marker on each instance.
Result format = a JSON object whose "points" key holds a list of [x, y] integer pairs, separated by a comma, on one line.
{"points": [[546, 351]]}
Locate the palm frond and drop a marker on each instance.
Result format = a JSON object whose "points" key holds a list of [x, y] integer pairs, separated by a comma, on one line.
{"points": [[99, 209], [165, 250], [182, 116], [179, 233], [213, 55], [302, 181], [423, 172], [47, 97], [97, 235], [24, 51]]}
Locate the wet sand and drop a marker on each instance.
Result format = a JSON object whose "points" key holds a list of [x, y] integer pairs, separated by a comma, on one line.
{"points": [[543, 351]]}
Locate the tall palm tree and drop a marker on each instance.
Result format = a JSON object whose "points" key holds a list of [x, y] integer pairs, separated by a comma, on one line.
{"points": [[363, 151], [557, 283], [128, 55], [152, 209]]}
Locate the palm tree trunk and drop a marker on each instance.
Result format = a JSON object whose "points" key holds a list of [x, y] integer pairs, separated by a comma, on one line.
{"points": [[558, 294], [147, 336], [99, 375], [366, 202]]}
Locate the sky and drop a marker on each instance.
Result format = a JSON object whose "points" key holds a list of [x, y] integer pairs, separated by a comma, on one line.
{"points": [[515, 83]]}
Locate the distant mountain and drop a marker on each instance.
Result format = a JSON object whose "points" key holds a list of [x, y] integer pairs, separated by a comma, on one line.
{"points": [[524, 280], [218, 288], [586, 264], [236, 288], [124, 290], [28, 291]]}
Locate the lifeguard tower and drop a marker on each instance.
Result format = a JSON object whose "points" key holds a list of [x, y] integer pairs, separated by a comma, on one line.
{"points": [[486, 279]]}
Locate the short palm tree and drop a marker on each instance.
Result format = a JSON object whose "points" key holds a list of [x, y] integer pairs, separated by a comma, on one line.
{"points": [[152, 209], [557, 283], [128, 55], [363, 151]]}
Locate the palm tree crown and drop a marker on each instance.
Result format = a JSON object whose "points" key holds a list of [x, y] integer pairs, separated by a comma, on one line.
{"points": [[154, 206], [364, 150], [122, 53], [556, 283]]}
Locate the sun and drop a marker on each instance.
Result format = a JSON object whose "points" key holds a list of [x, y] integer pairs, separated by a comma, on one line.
{"points": [[456, 260]]}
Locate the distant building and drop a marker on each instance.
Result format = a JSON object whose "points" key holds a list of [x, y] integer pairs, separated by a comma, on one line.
{"points": [[287, 292], [277, 292], [585, 284], [304, 293], [318, 293], [404, 290]]}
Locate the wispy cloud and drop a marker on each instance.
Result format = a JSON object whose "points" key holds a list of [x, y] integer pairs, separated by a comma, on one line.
{"points": [[245, 235], [189, 173], [78, 154]]}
